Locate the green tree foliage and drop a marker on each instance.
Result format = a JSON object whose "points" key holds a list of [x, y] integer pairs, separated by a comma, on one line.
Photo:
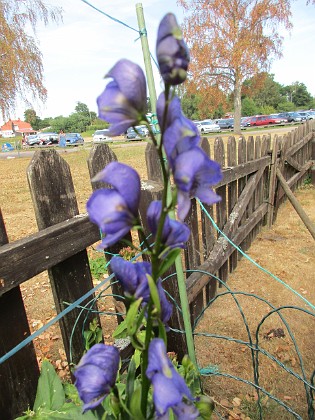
{"points": [[190, 106], [21, 69], [249, 107], [31, 117]]}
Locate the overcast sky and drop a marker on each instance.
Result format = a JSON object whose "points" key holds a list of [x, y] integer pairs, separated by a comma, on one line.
{"points": [[78, 52]]}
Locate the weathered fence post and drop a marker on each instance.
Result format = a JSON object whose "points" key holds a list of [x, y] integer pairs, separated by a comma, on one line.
{"points": [[19, 374], [54, 201]]}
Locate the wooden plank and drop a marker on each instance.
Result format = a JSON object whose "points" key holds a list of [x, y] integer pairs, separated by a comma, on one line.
{"points": [[192, 256], [292, 182], [27, 257], [250, 152], [243, 168], [152, 161], [19, 374], [265, 150], [272, 182], [299, 144], [232, 191], [54, 200], [221, 207], [292, 162], [197, 280], [241, 158]]}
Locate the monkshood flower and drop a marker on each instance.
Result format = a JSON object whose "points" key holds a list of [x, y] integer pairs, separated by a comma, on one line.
{"points": [[174, 233], [169, 388], [171, 51], [133, 278], [124, 100], [96, 374], [194, 175], [115, 210], [180, 134]]}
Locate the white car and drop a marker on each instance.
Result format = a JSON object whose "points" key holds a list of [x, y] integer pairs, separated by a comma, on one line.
{"points": [[101, 135], [207, 126]]}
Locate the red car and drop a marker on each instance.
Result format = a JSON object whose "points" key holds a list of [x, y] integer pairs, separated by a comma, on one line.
{"points": [[264, 120]]}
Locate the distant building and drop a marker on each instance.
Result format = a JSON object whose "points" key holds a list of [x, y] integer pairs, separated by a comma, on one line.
{"points": [[16, 127]]}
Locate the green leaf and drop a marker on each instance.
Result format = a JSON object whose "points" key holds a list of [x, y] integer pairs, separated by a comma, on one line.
{"points": [[50, 393], [168, 261], [135, 404], [131, 318], [130, 380], [154, 294], [121, 330]]}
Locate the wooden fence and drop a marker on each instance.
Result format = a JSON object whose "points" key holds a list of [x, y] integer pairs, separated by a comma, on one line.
{"points": [[250, 195]]}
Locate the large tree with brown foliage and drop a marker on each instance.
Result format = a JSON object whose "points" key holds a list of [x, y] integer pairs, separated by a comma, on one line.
{"points": [[21, 69], [232, 40]]}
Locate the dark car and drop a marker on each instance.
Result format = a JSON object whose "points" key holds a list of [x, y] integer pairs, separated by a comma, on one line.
{"points": [[74, 139], [290, 116], [226, 124], [132, 134]]}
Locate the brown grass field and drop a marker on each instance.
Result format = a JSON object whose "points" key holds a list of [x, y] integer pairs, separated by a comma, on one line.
{"points": [[287, 250]]}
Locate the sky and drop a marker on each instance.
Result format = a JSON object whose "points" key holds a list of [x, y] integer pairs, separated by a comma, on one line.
{"points": [[78, 52]]}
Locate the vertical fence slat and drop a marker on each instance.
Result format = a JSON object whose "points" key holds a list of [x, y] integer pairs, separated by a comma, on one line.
{"points": [[54, 201], [241, 158], [221, 207], [208, 234], [19, 374], [232, 191]]}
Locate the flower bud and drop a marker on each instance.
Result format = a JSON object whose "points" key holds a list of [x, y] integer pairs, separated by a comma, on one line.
{"points": [[205, 406], [172, 52]]}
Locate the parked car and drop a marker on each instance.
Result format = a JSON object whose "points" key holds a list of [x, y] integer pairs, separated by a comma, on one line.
{"points": [[48, 138], [102, 136], [74, 139], [245, 122], [226, 123], [207, 126], [144, 128], [132, 134], [32, 140], [290, 116], [305, 115], [264, 120]]}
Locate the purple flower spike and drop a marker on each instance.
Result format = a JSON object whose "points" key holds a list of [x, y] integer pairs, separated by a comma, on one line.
{"points": [[194, 174], [133, 277], [115, 210], [123, 102], [172, 52], [169, 388], [174, 234], [96, 374]]}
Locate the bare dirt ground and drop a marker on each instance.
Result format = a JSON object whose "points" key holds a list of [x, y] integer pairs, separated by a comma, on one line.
{"points": [[287, 250]]}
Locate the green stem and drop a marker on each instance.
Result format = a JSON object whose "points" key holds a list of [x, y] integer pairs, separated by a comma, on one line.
{"points": [[144, 364]]}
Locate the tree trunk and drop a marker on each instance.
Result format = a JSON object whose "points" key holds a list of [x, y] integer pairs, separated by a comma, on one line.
{"points": [[237, 105]]}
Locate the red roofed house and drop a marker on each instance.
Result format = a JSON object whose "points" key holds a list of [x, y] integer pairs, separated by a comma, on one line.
{"points": [[16, 127]]}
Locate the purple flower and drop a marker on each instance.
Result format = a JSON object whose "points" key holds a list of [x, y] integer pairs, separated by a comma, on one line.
{"points": [[115, 210], [194, 175], [96, 374], [124, 100], [133, 277], [180, 134], [174, 234], [169, 388], [171, 50]]}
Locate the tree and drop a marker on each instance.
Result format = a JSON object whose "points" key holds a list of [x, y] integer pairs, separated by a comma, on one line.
{"points": [[300, 95], [232, 40], [21, 69]]}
